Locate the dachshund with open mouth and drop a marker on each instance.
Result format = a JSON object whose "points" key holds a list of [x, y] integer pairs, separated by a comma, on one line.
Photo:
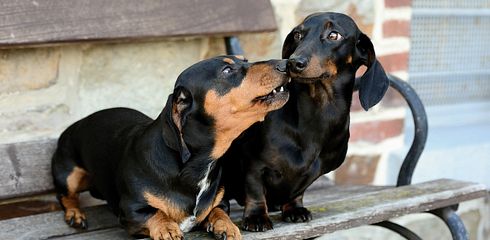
{"points": [[270, 166], [161, 177]]}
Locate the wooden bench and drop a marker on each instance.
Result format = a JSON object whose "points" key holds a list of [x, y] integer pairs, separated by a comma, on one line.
{"points": [[28, 208], [333, 208]]}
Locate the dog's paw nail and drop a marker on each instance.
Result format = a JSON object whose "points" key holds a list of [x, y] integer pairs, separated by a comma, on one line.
{"points": [[84, 224], [220, 236], [224, 236]]}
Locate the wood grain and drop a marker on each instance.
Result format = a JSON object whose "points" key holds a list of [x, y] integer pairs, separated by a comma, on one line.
{"points": [[333, 208], [27, 22], [25, 168]]}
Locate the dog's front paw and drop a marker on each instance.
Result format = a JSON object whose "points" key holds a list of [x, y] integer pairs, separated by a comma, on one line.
{"points": [[167, 231], [220, 224], [163, 228], [75, 218], [257, 223], [296, 214]]}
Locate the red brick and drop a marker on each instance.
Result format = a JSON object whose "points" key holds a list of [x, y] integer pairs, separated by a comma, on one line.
{"points": [[364, 24], [357, 169], [376, 131], [398, 3], [391, 99], [394, 62], [396, 28], [356, 104]]}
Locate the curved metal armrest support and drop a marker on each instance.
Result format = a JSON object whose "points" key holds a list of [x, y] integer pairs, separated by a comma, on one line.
{"points": [[233, 46], [420, 126]]}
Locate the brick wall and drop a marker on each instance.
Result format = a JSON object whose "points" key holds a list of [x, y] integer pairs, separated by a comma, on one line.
{"points": [[378, 132]]}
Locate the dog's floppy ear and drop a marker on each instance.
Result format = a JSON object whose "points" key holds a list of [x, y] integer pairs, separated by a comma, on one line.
{"points": [[289, 46], [374, 83], [179, 104]]}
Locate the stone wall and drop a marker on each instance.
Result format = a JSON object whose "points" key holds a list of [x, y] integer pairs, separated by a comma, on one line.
{"points": [[43, 90]]}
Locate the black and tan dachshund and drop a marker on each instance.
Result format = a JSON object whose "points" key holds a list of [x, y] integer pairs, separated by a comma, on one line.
{"points": [[272, 163], [161, 177]]}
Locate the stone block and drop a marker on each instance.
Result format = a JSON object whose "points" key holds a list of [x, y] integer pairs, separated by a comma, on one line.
{"points": [[361, 11], [357, 169], [394, 62], [28, 69], [391, 99], [472, 221], [28, 124], [134, 75], [396, 28], [376, 131], [256, 47], [397, 3], [427, 226]]}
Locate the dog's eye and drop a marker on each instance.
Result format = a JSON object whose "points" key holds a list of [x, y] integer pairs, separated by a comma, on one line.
{"points": [[298, 36], [226, 70], [335, 36]]}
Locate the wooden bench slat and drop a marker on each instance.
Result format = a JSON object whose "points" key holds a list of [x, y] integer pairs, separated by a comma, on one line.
{"points": [[111, 233], [43, 226], [26, 22], [25, 168], [333, 208], [42, 203], [348, 211]]}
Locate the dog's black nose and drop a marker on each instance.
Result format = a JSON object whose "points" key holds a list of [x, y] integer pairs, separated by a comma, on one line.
{"points": [[282, 66], [297, 64]]}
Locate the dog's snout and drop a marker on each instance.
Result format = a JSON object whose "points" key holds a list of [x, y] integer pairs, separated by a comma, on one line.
{"points": [[297, 64], [281, 66]]}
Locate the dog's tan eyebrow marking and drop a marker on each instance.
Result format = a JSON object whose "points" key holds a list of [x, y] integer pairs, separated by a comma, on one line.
{"points": [[241, 57], [228, 60], [328, 25], [349, 59]]}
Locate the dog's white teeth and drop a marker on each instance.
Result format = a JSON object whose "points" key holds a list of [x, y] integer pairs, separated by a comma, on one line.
{"points": [[289, 80], [281, 89], [274, 91]]}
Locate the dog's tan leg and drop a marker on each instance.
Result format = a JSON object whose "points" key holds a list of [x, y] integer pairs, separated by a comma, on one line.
{"points": [[221, 225], [76, 181]]}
